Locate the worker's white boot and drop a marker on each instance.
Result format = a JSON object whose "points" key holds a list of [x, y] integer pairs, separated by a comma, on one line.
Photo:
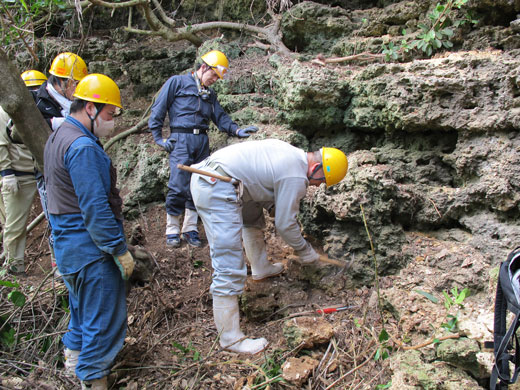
{"points": [[95, 384], [254, 245], [227, 320], [173, 230], [71, 361]]}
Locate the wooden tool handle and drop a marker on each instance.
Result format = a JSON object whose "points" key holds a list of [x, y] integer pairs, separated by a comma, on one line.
{"points": [[325, 259], [201, 172]]}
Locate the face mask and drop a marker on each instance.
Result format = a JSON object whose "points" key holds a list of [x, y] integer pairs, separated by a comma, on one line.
{"points": [[103, 128]]}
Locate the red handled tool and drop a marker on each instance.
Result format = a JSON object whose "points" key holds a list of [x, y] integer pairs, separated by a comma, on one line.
{"points": [[333, 309]]}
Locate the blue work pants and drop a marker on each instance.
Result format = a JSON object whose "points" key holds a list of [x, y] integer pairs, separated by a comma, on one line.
{"points": [[97, 327], [189, 149]]}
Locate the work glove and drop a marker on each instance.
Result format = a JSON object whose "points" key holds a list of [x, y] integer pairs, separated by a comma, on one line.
{"points": [[10, 184], [308, 255], [168, 144], [246, 131], [125, 263]]}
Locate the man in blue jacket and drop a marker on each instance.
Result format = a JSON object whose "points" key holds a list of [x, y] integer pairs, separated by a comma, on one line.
{"points": [[85, 212], [190, 105]]}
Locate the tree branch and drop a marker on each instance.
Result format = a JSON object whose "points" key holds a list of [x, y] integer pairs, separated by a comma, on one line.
{"points": [[169, 21], [139, 126], [164, 26], [126, 4]]}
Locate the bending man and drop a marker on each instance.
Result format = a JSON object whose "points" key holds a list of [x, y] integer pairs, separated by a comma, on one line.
{"points": [[270, 173]]}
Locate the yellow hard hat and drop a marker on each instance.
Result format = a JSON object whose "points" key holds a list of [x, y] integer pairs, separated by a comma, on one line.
{"points": [[33, 78], [98, 88], [335, 165], [218, 61], [69, 65]]}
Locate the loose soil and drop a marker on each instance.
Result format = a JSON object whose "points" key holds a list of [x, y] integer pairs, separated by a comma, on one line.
{"points": [[172, 341]]}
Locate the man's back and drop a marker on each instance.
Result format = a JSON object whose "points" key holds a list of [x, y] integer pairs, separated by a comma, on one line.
{"points": [[259, 165]]}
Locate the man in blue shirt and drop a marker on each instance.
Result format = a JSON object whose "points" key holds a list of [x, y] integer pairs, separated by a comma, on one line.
{"points": [[190, 105], [85, 212]]}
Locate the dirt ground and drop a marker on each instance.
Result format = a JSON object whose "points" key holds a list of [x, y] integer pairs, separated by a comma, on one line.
{"points": [[172, 341]]}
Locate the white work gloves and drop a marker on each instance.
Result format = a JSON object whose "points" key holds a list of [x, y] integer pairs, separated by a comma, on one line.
{"points": [[308, 255], [10, 184], [125, 263]]}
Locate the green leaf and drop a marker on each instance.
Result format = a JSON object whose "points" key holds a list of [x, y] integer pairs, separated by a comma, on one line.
{"points": [[17, 298], [24, 5], [8, 336], [448, 302], [180, 347], [448, 32], [447, 44], [383, 336], [7, 283], [427, 295], [377, 356], [437, 44], [196, 356], [436, 341], [463, 295], [429, 51]]}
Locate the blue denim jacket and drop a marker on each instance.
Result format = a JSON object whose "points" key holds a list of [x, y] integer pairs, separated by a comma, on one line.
{"points": [[179, 98], [82, 238]]}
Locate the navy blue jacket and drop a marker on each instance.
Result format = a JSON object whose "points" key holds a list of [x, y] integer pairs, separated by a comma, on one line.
{"points": [[49, 107], [179, 98]]}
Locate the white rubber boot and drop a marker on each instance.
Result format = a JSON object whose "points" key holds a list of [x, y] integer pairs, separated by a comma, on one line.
{"points": [[71, 361], [173, 224], [254, 244], [227, 320], [190, 221], [95, 384]]}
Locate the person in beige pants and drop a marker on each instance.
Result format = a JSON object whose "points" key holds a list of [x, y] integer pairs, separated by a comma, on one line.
{"points": [[17, 195], [18, 184]]}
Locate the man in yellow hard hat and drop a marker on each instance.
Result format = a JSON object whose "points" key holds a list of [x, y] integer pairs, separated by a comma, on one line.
{"points": [[268, 173], [18, 185], [190, 104], [85, 212], [53, 99]]}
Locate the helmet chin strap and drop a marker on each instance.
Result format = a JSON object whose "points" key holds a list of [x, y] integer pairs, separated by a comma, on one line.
{"points": [[92, 120]]}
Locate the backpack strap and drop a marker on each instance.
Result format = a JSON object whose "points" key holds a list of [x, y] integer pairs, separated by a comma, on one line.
{"points": [[499, 332], [504, 300]]}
